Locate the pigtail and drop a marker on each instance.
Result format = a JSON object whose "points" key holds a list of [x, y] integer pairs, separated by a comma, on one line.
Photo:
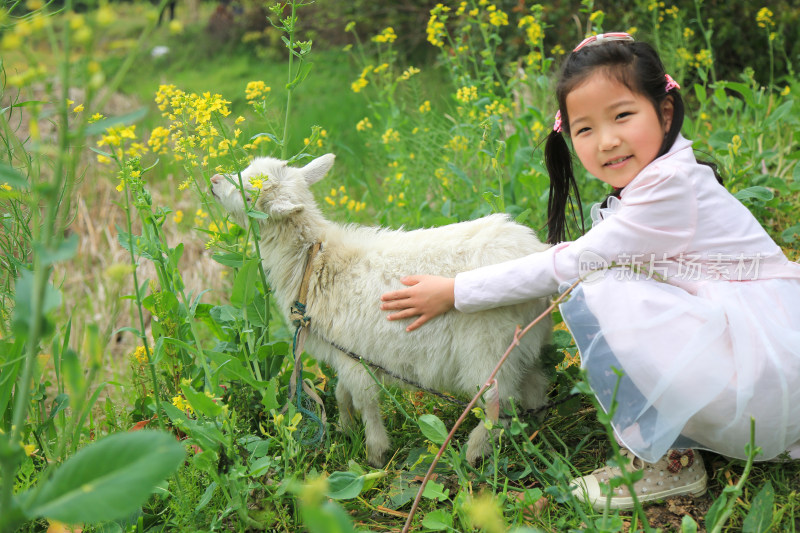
{"points": [[675, 129], [563, 189]]}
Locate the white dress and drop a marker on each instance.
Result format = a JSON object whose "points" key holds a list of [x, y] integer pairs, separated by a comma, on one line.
{"points": [[688, 298]]}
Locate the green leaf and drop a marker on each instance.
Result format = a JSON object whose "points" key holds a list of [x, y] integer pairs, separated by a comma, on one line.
{"points": [[435, 491], [759, 519], [12, 176], [438, 520], [326, 518], [757, 192], [253, 213], [108, 479], [344, 485], [742, 89], [433, 428], [716, 510], [201, 403], [231, 259], [23, 306], [790, 234], [244, 286], [688, 525]]}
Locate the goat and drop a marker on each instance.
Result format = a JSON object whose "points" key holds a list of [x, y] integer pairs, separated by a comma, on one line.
{"points": [[454, 353]]}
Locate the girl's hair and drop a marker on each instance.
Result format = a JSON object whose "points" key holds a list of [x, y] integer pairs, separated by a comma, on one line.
{"points": [[634, 64]]}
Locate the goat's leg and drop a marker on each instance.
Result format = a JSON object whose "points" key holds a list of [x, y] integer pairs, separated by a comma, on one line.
{"points": [[344, 400], [533, 388], [479, 442], [366, 399]]}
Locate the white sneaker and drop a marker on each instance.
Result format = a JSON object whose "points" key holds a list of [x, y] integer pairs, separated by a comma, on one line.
{"points": [[678, 473]]}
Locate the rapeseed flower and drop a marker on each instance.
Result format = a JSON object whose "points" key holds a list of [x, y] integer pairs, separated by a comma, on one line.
{"points": [[390, 135], [467, 94], [256, 90], [764, 18], [498, 18], [386, 36], [140, 355], [435, 31], [410, 71], [364, 124]]}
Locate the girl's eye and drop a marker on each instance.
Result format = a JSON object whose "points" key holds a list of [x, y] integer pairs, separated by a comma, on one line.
{"points": [[624, 114], [582, 130]]}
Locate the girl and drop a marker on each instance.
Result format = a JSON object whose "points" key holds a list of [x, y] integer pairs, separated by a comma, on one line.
{"points": [[683, 294]]}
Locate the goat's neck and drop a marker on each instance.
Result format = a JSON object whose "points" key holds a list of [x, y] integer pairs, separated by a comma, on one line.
{"points": [[284, 250]]}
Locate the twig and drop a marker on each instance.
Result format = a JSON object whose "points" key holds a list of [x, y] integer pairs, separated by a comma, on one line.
{"points": [[518, 334]]}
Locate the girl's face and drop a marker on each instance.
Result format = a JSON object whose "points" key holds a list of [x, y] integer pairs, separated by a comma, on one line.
{"points": [[615, 132]]}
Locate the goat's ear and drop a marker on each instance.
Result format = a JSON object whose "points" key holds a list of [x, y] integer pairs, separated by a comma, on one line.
{"points": [[316, 170], [283, 208]]}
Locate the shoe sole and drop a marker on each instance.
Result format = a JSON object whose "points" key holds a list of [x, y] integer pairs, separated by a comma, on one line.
{"points": [[624, 503]]}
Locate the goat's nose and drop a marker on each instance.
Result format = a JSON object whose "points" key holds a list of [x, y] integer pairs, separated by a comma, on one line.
{"points": [[216, 178]]}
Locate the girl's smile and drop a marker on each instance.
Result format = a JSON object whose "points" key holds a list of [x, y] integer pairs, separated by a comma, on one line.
{"points": [[615, 132]]}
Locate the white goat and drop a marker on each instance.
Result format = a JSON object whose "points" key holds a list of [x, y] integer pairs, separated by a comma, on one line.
{"points": [[455, 352]]}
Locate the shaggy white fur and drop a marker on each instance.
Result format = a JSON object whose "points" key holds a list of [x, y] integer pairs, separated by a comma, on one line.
{"points": [[455, 352]]}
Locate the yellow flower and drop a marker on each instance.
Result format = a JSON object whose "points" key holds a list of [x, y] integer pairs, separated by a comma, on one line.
{"points": [[257, 182], [467, 94], [96, 117], [175, 27], [386, 36], [181, 403], [764, 18], [239, 120], [410, 71], [5, 186], [256, 89], [390, 135], [177, 218], [140, 354], [735, 144], [363, 124], [359, 84], [435, 31], [425, 107], [786, 90], [78, 108], [29, 449], [498, 18]]}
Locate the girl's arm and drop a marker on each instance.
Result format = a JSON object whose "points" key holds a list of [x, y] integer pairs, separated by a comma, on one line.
{"points": [[426, 297]]}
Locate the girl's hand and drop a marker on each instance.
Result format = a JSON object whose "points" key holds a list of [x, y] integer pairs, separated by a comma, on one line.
{"points": [[426, 297]]}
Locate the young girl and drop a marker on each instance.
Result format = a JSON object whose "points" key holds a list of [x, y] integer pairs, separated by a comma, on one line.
{"points": [[683, 294]]}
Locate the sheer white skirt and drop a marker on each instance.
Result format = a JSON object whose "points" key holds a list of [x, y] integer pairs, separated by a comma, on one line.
{"points": [[695, 369]]}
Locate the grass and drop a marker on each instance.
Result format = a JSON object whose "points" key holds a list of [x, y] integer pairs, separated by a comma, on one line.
{"points": [[244, 468]]}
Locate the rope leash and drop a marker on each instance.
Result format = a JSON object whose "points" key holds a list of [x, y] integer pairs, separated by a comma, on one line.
{"points": [[375, 366], [302, 324]]}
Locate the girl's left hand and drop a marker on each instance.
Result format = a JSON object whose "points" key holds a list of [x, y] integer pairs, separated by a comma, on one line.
{"points": [[426, 297]]}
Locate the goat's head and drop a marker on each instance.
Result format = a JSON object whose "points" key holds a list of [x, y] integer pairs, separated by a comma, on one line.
{"points": [[271, 186]]}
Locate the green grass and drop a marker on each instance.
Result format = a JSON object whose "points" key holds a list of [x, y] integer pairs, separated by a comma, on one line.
{"points": [[246, 463]]}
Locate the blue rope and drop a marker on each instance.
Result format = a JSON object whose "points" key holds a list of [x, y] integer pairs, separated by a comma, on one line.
{"points": [[300, 320]]}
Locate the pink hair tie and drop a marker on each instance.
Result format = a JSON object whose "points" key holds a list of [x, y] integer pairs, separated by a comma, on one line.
{"points": [[557, 123], [671, 84], [604, 38]]}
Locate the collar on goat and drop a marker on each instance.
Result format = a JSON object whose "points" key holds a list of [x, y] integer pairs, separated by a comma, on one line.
{"points": [[298, 311]]}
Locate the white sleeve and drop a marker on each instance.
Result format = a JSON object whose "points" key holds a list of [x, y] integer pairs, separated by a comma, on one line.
{"points": [[657, 216]]}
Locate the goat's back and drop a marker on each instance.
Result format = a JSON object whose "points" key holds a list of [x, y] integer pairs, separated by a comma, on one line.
{"points": [[451, 352]]}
